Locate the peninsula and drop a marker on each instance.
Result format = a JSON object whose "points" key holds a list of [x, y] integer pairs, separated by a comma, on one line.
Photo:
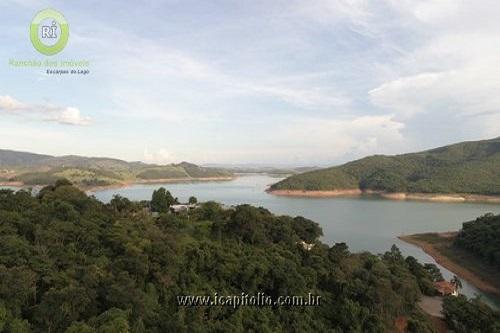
{"points": [[466, 171]]}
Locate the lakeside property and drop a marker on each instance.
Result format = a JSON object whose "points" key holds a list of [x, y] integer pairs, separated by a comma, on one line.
{"points": [[462, 263]]}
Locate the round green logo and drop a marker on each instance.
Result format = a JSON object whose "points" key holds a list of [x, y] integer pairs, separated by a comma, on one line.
{"points": [[49, 32]]}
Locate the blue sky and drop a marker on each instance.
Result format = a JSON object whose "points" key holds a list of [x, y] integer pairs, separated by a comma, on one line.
{"points": [[296, 82]]}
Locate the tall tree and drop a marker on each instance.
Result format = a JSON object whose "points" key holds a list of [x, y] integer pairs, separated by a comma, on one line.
{"points": [[162, 200]]}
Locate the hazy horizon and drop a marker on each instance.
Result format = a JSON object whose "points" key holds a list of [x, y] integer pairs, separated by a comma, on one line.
{"points": [[225, 165], [296, 83]]}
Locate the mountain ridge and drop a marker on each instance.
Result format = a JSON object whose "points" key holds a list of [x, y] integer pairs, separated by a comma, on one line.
{"points": [[471, 167], [26, 168]]}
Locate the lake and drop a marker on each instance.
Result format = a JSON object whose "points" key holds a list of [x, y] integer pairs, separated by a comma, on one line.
{"points": [[365, 224]]}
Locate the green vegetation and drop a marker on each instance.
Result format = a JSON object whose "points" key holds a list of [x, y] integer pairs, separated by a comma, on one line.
{"points": [[182, 170], [457, 258], [473, 252], [469, 316], [482, 238], [33, 169], [468, 167], [162, 200], [164, 172], [69, 263], [425, 275], [84, 177]]}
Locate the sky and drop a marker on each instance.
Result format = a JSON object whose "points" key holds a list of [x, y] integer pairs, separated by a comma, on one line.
{"points": [[271, 82]]}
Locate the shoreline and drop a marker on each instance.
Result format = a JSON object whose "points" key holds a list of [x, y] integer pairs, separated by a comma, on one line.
{"points": [[472, 277], [155, 181], [317, 194], [131, 183], [436, 197]]}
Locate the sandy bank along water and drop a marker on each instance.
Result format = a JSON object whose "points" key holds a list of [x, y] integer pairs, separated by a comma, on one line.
{"points": [[131, 183], [438, 197], [472, 277]]}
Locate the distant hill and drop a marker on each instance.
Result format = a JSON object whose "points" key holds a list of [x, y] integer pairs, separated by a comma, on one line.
{"points": [[12, 158], [270, 170], [468, 167], [36, 169]]}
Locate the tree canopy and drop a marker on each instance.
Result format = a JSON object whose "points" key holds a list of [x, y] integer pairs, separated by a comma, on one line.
{"points": [[481, 237], [470, 316], [69, 263], [162, 200]]}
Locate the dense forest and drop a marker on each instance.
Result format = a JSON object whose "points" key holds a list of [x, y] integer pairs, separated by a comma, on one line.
{"points": [[468, 167], [464, 315], [69, 263], [482, 238]]}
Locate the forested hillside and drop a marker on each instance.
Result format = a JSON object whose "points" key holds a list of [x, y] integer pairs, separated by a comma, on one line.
{"points": [[464, 315], [482, 238], [69, 263], [468, 167], [34, 169]]}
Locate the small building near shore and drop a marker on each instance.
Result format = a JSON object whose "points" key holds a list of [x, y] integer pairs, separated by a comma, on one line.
{"points": [[446, 288], [177, 209], [306, 246]]}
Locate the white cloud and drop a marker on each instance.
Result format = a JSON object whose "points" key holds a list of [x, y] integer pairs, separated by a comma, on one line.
{"points": [[302, 80], [10, 104], [466, 91], [404, 95], [464, 81], [304, 141], [302, 97], [334, 139], [160, 156], [449, 77], [59, 114], [70, 116], [334, 11], [187, 77]]}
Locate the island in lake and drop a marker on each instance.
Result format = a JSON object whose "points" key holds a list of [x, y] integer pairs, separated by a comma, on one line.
{"points": [[28, 169], [467, 171]]}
